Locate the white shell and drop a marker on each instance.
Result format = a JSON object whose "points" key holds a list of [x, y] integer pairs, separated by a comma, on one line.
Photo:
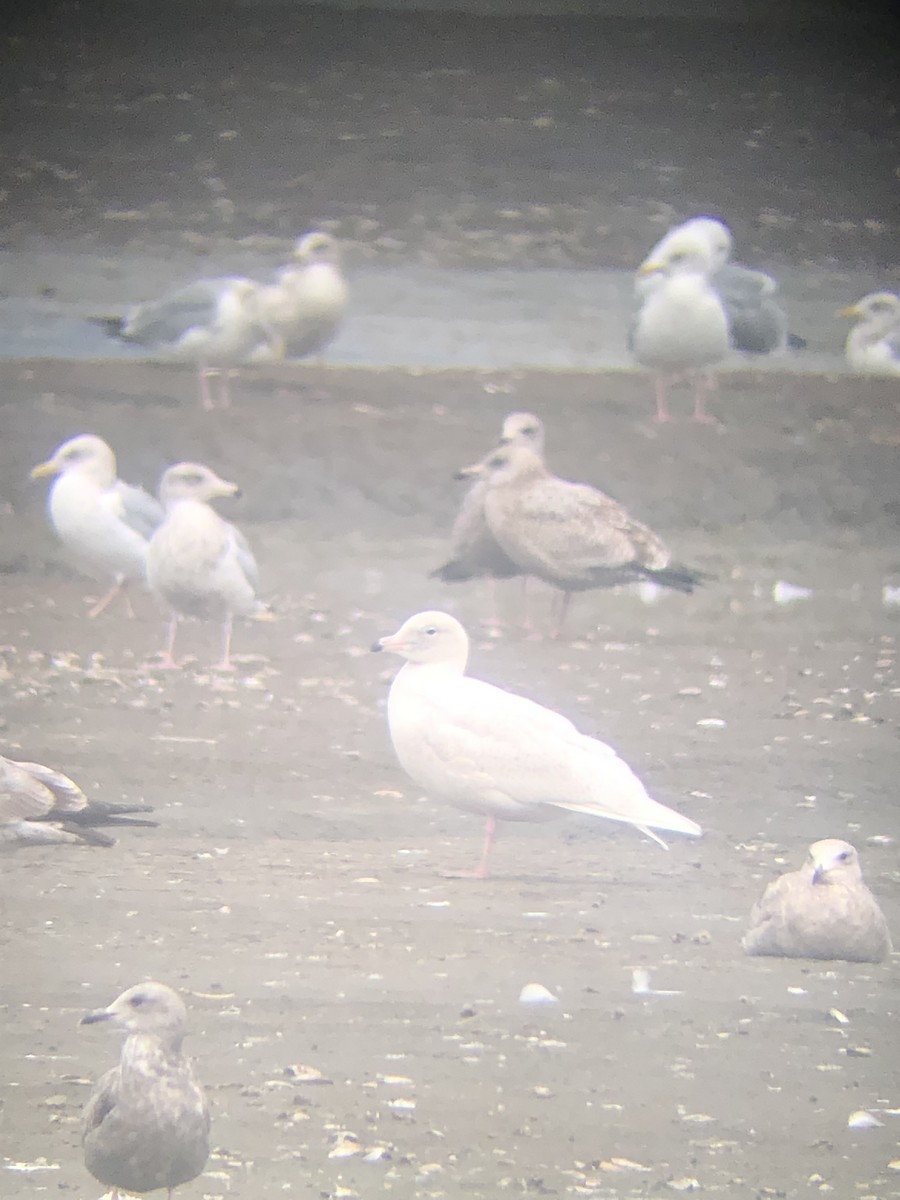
{"points": [[785, 593], [863, 1120], [536, 993]]}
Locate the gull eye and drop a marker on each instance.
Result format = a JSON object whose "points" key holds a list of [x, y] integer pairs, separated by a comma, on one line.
{"points": [[843, 856], [137, 1001], [430, 631], [498, 461]]}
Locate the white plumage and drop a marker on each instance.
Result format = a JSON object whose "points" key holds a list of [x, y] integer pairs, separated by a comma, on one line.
{"points": [[873, 344], [306, 303], [488, 751], [104, 523]]}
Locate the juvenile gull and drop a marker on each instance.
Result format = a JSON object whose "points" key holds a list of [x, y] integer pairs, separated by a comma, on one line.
{"points": [[38, 806], [824, 910], [489, 751], [198, 564], [570, 534], [757, 323], [873, 344], [474, 551], [104, 523], [681, 328], [214, 323], [146, 1125], [307, 302]]}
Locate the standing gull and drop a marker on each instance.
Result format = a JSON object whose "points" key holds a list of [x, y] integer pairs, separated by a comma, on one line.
{"points": [[104, 523], [873, 344], [38, 805], [824, 910], [570, 534], [489, 751], [214, 323], [307, 302], [198, 564], [146, 1125], [681, 328]]}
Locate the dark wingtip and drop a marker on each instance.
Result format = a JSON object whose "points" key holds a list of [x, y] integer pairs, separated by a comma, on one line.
{"points": [[796, 342], [112, 326], [376, 647]]}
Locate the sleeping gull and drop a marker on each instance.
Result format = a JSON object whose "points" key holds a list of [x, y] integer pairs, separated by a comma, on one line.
{"points": [[757, 323], [489, 751], [104, 523], [824, 910], [307, 302], [38, 805], [873, 344], [681, 328], [198, 564], [146, 1125], [570, 534], [474, 551], [214, 323]]}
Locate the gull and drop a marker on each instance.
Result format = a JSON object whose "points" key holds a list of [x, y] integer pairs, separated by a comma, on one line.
{"points": [[103, 522], [39, 806], [474, 551], [570, 534], [757, 324], [823, 911], [214, 323], [146, 1125], [681, 328], [306, 303], [198, 564], [873, 344], [492, 752]]}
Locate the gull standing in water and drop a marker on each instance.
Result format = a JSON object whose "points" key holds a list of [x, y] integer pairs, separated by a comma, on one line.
{"points": [[104, 523], [489, 751], [146, 1125], [873, 344], [198, 564]]}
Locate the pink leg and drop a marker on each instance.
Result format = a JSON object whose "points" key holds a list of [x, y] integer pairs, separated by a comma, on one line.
{"points": [[226, 664], [206, 401], [167, 657], [108, 599], [482, 871], [704, 386], [660, 389]]}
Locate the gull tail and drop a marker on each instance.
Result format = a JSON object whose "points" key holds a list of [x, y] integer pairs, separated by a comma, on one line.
{"points": [[682, 579], [111, 326]]}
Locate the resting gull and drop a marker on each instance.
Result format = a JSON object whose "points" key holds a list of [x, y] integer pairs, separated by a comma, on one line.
{"points": [[38, 806], [146, 1125], [474, 551], [489, 751], [873, 344], [824, 910], [198, 564], [215, 323], [104, 523], [307, 302], [570, 534], [757, 323]]}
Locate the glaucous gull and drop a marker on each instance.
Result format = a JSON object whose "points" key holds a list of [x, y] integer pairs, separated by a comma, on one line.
{"points": [[570, 534], [757, 323], [198, 564], [104, 523], [681, 328], [215, 323], [873, 344], [38, 806], [474, 551], [307, 302], [489, 751], [146, 1125], [824, 910]]}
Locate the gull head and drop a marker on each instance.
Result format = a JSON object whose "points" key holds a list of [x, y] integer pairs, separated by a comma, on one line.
{"points": [[684, 252], [317, 246], [834, 862], [523, 428], [193, 481], [509, 462], [429, 637], [147, 1008], [85, 455], [883, 306]]}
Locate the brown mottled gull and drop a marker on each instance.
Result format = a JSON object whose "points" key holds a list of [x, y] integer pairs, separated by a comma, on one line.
{"points": [[306, 304], [570, 534], [104, 523], [40, 806], [146, 1126], [489, 751], [214, 323], [198, 564], [474, 551], [873, 344], [824, 911]]}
